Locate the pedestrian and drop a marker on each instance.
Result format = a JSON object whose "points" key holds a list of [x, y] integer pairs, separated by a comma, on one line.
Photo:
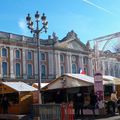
{"points": [[5, 105], [93, 101], [118, 105], [114, 100], [78, 104]]}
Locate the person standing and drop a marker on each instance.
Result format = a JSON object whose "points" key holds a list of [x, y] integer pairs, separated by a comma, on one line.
{"points": [[5, 105], [114, 100], [79, 104], [93, 101]]}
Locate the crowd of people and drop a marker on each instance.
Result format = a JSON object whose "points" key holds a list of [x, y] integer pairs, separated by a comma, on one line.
{"points": [[79, 102]]}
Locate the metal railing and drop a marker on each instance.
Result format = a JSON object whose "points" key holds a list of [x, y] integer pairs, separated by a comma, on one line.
{"points": [[46, 111]]}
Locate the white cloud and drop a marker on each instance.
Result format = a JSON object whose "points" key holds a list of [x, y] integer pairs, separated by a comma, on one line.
{"points": [[22, 25], [97, 6]]}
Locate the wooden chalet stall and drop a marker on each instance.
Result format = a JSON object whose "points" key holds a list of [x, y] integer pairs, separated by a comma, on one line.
{"points": [[19, 95], [67, 86]]}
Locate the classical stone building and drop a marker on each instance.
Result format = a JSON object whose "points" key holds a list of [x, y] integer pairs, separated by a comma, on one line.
{"points": [[18, 57]]}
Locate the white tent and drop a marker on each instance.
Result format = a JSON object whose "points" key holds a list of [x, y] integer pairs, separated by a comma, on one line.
{"points": [[19, 86], [111, 80]]}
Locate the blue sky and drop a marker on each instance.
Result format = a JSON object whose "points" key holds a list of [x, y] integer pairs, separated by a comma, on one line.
{"points": [[88, 18]]}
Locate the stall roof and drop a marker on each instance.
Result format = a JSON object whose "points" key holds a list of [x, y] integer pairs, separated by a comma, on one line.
{"points": [[20, 86], [71, 80], [75, 80], [82, 77]]}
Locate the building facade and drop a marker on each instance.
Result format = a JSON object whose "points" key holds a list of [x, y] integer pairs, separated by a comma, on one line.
{"points": [[18, 58]]}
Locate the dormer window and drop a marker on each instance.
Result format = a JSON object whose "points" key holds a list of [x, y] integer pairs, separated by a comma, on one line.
{"points": [[4, 52]]}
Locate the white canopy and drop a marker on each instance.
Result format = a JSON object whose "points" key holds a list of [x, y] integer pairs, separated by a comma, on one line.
{"points": [[19, 86]]}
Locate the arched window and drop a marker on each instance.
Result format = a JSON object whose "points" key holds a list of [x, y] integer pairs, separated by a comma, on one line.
{"points": [[4, 68], [62, 70], [4, 52], [17, 69], [74, 68], [17, 54], [29, 55], [29, 70], [43, 71]]}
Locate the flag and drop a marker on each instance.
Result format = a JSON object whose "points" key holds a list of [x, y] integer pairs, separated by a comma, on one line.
{"points": [[82, 71]]}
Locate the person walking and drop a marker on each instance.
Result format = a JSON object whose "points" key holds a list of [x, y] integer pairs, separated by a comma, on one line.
{"points": [[5, 105]]}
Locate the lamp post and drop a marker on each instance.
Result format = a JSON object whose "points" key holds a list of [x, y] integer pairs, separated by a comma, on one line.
{"points": [[36, 31]]}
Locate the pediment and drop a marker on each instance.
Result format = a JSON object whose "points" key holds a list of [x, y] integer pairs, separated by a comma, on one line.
{"points": [[72, 44], [75, 45]]}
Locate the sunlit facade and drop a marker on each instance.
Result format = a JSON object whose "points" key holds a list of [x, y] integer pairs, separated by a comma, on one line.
{"points": [[18, 58]]}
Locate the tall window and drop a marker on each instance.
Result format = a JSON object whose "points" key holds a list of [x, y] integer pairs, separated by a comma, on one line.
{"points": [[17, 69], [4, 52], [61, 58], [29, 70], [43, 71], [17, 54], [29, 55], [42, 56], [4, 68], [74, 68], [62, 70]]}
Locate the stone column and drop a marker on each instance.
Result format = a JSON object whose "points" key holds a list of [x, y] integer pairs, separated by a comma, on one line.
{"points": [[81, 62], [12, 65], [35, 64], [90, 67], [57, 59], [69, 63], [51, 63], [24, 64]]}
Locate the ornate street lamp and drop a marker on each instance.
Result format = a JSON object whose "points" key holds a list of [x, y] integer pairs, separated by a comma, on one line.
{"points": [[36, 31]]}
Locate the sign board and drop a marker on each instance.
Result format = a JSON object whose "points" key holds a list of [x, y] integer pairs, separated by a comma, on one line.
{"points": [[98, 88]]}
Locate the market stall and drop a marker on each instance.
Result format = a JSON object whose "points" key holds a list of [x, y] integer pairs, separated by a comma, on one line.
{"points": [[112, 83], [19, 95]]}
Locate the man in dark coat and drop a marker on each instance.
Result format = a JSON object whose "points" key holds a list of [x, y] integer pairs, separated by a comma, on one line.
{"points": [[5, 105], [93, 101], [79, 104]]}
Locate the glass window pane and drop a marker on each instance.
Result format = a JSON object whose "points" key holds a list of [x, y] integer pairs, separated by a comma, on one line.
{"points": [[61, 58], [43, 70], [62, 70], [29, 70], [4, 68], [42, 56], [29, 55], [17, 69], [74, 69], [4, 52], [17, 54]]}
